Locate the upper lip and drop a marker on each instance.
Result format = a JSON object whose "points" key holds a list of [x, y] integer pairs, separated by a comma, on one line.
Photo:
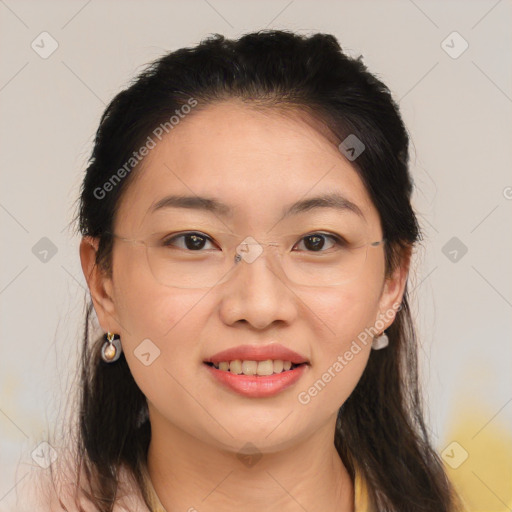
{"points": [[273, 351]]}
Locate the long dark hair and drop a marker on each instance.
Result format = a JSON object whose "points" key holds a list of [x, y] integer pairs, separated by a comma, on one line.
{"points": [[380, 428]]}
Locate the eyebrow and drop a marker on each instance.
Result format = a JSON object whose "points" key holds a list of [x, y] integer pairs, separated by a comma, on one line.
{"points": [[331, 200]]}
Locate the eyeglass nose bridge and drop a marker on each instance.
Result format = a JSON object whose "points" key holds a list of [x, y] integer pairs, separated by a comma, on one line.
{"points": [[249, 250], [243, 250]]}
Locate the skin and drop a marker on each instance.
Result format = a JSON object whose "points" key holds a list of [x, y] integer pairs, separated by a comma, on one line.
{"points": [[256, 162]]}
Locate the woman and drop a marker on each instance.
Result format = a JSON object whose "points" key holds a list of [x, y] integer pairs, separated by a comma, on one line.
{"points": [[247, 234]]}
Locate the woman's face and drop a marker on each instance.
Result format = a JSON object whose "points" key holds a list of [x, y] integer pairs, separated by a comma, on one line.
{"points": [[257, 164]]}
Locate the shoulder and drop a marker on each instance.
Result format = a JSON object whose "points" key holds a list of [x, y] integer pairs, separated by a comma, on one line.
{"points": [[54, 489]]}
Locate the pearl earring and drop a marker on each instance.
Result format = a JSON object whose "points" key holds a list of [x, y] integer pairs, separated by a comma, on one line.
{"points": [[111, 349], [381, 341]]}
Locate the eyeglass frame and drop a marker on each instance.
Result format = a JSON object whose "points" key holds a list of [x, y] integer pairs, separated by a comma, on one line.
{"points": [[238, 257]]}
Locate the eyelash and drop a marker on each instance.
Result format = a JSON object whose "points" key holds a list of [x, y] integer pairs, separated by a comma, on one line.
{"points": [[338, 240]]}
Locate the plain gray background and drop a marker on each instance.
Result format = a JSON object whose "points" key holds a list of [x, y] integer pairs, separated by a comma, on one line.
{"points": [[457, 109]]}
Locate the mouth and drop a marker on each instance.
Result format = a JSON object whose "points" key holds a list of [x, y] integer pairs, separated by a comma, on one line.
{"points": [[256, 379], [255, 368]]}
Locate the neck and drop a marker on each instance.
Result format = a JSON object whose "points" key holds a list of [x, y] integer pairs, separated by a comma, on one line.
{"points": [[189, 474]]}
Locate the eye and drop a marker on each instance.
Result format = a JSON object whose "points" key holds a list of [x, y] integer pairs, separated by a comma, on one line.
{"points": [[315, 242], [192, 241]]}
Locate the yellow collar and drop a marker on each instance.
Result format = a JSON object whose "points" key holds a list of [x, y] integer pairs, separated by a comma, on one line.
{"points": [[360, 493]]}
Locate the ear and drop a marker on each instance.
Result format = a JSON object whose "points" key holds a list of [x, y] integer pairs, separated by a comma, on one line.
{"points": [[393, 290], [100, 285]]}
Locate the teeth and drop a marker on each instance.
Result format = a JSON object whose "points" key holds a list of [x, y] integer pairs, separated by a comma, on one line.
{"points": [[235, 367], [249, 367], [267, 367], [278, 366]]}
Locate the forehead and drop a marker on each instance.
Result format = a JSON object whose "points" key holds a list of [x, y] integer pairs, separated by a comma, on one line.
{"points": [[253, 161]]}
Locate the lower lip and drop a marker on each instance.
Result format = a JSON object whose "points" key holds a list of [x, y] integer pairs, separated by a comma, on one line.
{"points": [[255, 386]]}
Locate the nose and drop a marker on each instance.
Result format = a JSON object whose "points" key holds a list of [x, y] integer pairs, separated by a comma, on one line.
{"points": [[257, 291]]}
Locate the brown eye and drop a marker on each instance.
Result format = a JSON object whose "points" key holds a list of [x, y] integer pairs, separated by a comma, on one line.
{"points": [[316, 242], [192, 241]]}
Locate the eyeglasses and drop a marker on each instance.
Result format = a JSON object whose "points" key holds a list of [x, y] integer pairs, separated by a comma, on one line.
{"points": [[180, 260]]}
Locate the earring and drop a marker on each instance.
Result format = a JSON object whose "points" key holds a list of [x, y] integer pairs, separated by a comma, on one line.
{"points": [[381, 341], [111, 349]]}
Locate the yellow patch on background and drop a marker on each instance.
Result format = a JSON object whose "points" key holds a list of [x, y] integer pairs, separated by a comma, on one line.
{"points": [[477, 453]]}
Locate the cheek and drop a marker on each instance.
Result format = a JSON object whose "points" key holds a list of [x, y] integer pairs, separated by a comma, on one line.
{"points": [[161, 348], [145, 308], [159, 325], [342, 345], [342, 313]]}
